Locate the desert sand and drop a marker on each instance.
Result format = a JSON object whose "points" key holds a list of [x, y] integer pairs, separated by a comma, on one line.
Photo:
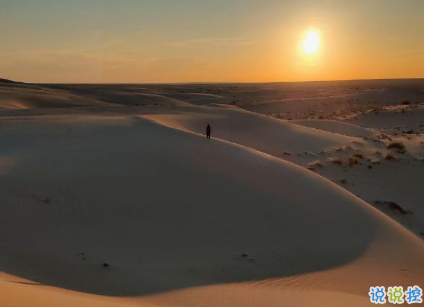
{"points": [[110, 195]]}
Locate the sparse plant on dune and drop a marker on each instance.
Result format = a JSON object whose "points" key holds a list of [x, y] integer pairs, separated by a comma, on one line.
{"points": [[353, 161], [392, 205], [336, 161], [390, 156], [344, 149], [359, 156], [397, 145], [315, 164]]}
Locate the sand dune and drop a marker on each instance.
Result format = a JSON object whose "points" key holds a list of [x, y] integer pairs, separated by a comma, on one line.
{"points": [[127, 95], [263, 133], [200, 98], [25, 96], [203, 223], [373, 178], [139, 99], [112, 196], [7, 81]]}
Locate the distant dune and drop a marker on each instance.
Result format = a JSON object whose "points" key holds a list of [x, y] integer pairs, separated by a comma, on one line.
{"points": [[137, 99], [15, 95], [7, 81]]}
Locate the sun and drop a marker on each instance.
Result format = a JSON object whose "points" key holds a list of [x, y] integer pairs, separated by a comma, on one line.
{"points": [[312, 42]]}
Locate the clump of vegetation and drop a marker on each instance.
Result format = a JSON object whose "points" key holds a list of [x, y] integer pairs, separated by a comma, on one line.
{"points": [[390, 156], [353, 161], [392, 205], [315, 164], [344, 149], [406, 103], [336, 161], [397, 145], [359, 156]]}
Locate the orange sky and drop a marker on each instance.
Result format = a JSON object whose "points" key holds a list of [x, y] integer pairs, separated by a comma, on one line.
{"points": [[131, 41]]}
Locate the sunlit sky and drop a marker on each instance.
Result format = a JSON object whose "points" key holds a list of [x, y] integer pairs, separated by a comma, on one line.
{"points": [[136, 41]]}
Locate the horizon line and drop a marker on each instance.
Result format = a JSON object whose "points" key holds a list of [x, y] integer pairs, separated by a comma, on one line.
{"points": [[222, 82], [212, 82]]}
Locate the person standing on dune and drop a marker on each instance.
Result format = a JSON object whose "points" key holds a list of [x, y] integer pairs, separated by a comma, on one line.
{"points": [[208, 131]]}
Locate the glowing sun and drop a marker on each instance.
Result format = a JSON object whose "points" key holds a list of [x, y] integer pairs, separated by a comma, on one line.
{"points": [[312, 42]]}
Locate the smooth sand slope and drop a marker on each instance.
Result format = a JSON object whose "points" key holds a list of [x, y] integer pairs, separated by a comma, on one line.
{"points": [[357, 163], [121, 210]]}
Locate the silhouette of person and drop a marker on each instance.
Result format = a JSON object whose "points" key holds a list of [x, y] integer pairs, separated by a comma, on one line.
{"points": [[208, 131]]}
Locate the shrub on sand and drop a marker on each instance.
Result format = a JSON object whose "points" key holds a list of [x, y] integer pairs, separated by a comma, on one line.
{"points": [[336, 161], [353, 161], [389, 156], [359, 156], [397, 145]]}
